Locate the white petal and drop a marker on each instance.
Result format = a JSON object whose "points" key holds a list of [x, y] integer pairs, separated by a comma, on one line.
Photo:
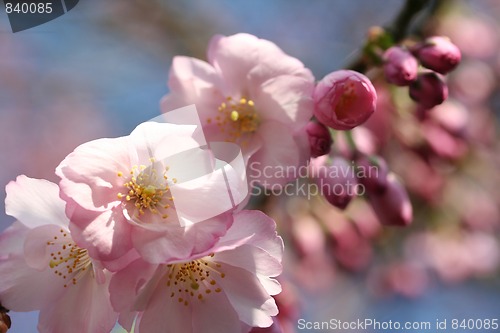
{"points": [[35, 202]]}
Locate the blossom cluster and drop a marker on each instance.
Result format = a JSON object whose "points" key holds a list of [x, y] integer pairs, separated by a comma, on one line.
{"points": [[150, 229], [137, 232]]}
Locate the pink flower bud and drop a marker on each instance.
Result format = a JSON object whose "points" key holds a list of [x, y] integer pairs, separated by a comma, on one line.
{"points": [[344, 99], [400, 67], [320, 139], [393, 207], [372, 173], [337, 182], [439, 54], [429, 90]]}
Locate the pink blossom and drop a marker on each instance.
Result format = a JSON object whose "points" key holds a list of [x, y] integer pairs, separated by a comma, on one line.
{"points": [[154, 192], [225, 289], [251, 93], [42, 268], [344, 99]]}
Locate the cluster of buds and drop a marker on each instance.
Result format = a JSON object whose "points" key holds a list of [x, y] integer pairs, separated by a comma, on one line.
{"points": [[340, 181], [343, 100], [427, 87]]}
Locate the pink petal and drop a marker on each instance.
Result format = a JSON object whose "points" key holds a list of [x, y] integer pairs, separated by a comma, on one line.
{"points": [[251, 258], [234, 57], [160, 141], [35, 202], [252, 303], [127, 284], [214, 315], [89, 175], [106, 235], [279, 154], [165, 315], [180, 244], [255, 228], [24, 288], [193, 81], [286, 99], [84, 308], [36, 250], [274, 62]]}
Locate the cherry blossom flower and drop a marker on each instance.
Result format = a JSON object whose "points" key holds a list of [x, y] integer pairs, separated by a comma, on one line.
{"points": [[42, 268], [155, 192], [251, 93], [225, 289]]}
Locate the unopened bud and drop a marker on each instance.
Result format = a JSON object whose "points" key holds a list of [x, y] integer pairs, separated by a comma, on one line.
{"points": [[429, 90], [337, 182], [439, 54], [320, 140], [344, 99], [372, 173], [400, 66], [393, 207]]}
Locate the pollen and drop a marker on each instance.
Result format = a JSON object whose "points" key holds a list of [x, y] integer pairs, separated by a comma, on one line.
{"points": [[147, 190], [237, 119], [188, 281], [68, 261]]}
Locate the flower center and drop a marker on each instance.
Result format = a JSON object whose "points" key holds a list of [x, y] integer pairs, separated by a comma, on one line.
{"points": [[148, 190], [68, 261], [237, 119], [194, 279]]}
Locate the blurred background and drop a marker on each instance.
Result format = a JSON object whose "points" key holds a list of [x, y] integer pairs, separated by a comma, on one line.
{"points": [[101, 69]]}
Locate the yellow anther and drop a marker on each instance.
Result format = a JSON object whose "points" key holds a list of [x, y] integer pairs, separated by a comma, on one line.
{"points": [[119, 173], [234, 115]]}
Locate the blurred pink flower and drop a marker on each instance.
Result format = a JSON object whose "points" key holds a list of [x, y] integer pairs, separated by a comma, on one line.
{"points": [[226, 288], [344, 99], [120, 195], [250, 93], [42, 268]]}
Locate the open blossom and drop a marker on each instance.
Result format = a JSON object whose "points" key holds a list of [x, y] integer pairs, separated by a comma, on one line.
{"points": [[154, 192], [250, 93], [42, 268], [344, 99], [225, 289]]}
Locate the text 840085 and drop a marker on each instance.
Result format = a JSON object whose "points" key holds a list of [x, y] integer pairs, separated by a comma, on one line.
{"points": [[28, 8]]}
